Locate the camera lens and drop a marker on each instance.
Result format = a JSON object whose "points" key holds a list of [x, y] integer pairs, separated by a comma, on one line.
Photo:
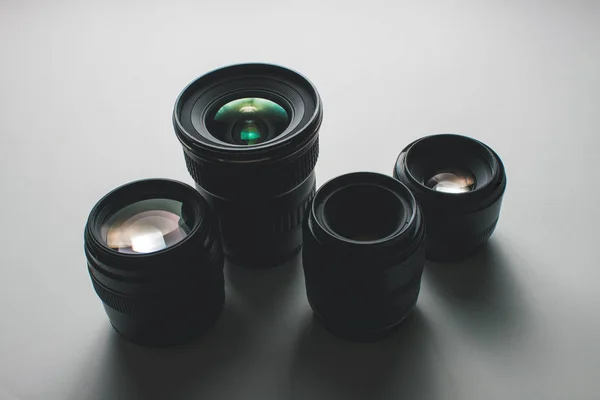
{"points": [[363, 255], [459, 183], [250, 140], [156, 262]]}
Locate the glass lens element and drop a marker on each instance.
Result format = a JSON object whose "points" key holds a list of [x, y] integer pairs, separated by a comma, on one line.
{"points": [[249, 121], [452, 181], [250, 132], [146, 226]]}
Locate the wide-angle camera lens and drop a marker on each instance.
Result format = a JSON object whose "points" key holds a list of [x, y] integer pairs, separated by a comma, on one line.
{"points": [[459, 183], [250, 140], [156, 262], [363, 255]]}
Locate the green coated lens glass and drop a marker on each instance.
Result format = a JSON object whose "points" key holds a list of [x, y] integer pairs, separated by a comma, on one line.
{"points": [[249, 121], [250, 132]]}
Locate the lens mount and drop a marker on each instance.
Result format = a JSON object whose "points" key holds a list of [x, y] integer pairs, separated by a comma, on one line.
{"points": [[462, 215], [363, 254], [159, 295]]}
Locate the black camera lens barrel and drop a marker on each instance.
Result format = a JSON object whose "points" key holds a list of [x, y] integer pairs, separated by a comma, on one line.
{"points": [[462, 214], [260, 189], [165, 296], [271, 233], [363, 255]]}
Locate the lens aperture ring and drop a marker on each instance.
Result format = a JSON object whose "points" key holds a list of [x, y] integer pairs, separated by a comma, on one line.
{"points": [[224, 180], [344, 274], [292, 218], [362, 310], [160, 303], [251, 239], [176, 286]]}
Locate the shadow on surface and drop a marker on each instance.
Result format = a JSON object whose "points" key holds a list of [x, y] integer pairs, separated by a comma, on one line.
{"points": [[129, 371], [210, 366], [265, 290], [480, 294], [326, 367]]}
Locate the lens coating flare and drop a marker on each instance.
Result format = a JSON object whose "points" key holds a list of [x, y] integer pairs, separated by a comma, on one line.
{"points": [[146, 226], [249, 121], [452, 181], [250, 133]]}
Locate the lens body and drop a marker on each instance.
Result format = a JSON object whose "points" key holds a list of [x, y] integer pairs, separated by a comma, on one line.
{"points": [[363, 255], [250, 140], [459, 183], [156, 262]]}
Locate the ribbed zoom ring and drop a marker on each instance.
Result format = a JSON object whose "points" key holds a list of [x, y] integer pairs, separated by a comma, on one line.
{"points": [[265, 221], [392, 306], [168, 300], [253, 240], [290, 219], [223, 180], [155, 305]]}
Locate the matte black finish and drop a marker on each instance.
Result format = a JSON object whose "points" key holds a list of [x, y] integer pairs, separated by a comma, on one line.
{"points": [[363, 255], [260, 192], [168, 296], [457, 224]]}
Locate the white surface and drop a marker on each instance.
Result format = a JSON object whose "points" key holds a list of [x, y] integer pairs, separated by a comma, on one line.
{"points": [[86, 93]]}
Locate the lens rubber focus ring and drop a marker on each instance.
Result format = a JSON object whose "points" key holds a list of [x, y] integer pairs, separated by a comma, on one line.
{"points": [[242, 250], [287, 177], [293, 218], [148, 305]]}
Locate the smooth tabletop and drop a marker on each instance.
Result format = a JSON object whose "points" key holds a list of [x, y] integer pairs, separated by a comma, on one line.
{"points": [[86, 95]]}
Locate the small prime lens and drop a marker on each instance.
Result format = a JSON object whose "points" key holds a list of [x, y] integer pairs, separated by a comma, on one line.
{"points": [[250, 140], [459, 183], [363, 255], [156, 261]]}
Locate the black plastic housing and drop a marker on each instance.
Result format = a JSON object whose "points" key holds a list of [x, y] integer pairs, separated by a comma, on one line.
{"points": [[457, 224], [260, 192], [362, 290], [165, 297]]}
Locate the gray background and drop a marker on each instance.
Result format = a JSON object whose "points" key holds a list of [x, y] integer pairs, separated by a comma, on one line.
{"points": [[86, 93]]}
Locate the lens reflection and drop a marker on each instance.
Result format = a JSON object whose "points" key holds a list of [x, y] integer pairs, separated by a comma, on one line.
{"points": [[452, 181], [249, 121], [146, 226]]}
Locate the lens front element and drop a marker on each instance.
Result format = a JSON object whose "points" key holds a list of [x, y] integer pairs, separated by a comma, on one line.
{"points": [[146, 226], [452, 181], [249, 121]]}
